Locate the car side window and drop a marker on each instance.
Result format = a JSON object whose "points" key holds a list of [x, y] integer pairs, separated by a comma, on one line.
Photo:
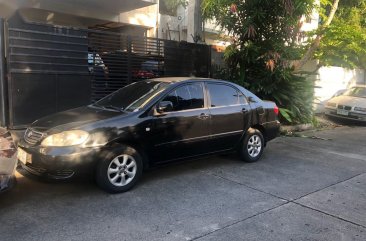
{"points": [[186, 97], [242, 99], [224, 95]]}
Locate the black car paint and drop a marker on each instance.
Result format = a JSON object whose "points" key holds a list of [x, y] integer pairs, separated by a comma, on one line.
{"points": [[159, 137]]}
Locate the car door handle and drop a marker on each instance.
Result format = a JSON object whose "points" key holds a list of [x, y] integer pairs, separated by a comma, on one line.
{"points": [[203, 116], [244, 110]]}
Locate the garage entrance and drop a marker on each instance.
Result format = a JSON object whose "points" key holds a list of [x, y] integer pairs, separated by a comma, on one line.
{"points": [[53, 68]]}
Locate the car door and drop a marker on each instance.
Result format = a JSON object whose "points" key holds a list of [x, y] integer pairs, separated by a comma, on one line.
{"points": [[230, 115], [184, 130]]}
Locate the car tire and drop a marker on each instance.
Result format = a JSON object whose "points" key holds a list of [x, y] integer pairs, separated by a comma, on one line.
{"points": [[251, 148], [119, 170]]}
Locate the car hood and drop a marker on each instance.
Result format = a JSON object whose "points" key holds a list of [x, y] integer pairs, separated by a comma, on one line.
{"points": [[73, 118], [350, 101]]}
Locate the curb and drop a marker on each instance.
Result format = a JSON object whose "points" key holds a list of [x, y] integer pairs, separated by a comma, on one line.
{"points": [[296, 128]]}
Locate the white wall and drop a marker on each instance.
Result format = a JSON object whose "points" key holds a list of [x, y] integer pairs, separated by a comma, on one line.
{"points": [[146, 16], [176, 24]]}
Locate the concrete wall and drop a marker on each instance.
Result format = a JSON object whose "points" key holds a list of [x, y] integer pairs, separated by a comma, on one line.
{"points": [[146, 16], [176, 26]]}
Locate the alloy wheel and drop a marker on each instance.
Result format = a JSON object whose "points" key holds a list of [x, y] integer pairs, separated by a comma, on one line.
{"points": [[254, 146], [122, 170]]}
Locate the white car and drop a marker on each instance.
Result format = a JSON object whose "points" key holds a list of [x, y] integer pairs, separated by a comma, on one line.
{"points": [[349, 105], [8, 160]]}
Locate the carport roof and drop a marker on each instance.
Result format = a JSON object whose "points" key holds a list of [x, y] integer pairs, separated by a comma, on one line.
{"points": [[111, 6], [83, 8]]}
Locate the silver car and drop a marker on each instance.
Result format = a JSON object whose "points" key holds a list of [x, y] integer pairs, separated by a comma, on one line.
{"points": [[8, 160], [351, 104]]}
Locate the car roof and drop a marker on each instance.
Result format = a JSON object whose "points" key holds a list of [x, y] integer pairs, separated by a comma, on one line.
{"points": [[175, 80], [178, 79]]}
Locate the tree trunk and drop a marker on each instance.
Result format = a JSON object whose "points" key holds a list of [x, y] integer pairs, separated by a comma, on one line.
{"points": [[314, 46]]}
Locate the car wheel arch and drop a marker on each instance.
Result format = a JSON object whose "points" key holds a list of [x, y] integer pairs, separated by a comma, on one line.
{"points": [[262, 130], [138, 147]]}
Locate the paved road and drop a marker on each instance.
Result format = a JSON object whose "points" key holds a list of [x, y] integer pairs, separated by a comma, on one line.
{"points": [[302, 189]]}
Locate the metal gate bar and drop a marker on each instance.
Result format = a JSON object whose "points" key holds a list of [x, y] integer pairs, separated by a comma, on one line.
{"points": [[3, 85]]}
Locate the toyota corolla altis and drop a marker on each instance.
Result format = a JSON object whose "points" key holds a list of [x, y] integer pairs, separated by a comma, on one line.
{"points": [[146, 123]]}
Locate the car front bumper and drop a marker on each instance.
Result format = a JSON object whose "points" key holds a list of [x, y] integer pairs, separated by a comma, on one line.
{"points": [[351, 115], [58, 163]]}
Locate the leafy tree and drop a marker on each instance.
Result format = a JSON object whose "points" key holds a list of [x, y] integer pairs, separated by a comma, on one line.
{"points": [[322, 9], [264, 45], [344, 41]]}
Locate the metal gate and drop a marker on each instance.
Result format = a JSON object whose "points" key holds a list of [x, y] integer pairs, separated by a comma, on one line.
{"points": [[53, 68], [116, 60]]}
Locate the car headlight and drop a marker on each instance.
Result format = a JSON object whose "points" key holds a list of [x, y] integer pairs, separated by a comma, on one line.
{"points": [[66, 138], [360, 109], [331, 104]]}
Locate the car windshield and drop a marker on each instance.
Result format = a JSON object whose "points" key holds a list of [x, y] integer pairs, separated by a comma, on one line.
{"points": [[132, 97], [356, 92]]}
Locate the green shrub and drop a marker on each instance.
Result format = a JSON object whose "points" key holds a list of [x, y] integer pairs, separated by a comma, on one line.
{"points": [[293, 93]]}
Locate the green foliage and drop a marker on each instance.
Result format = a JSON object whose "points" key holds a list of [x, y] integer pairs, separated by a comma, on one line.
{"points": [[285, 113], [344, 41], [169, 7], [263, 48], [292, 93], [258, 20]]}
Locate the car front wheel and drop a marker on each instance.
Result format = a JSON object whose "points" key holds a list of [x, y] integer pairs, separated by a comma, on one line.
{"points": [[120, 170], [252, 146]]}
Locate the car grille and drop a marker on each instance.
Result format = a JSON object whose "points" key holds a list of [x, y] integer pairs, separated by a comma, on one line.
{"points": [[60, 174], [39, 171], [34, 169], [345, 107], [33, 137]]}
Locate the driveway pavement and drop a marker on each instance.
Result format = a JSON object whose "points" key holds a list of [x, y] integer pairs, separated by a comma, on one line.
{"points": [[302, 189]]}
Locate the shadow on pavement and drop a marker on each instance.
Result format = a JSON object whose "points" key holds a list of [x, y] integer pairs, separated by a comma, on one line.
{"points": [[347, 122], [33, 187], [188, 166]]}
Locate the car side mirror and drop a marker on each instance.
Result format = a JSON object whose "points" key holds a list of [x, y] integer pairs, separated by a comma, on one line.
{"points": [[164, 106], [251, 99]]}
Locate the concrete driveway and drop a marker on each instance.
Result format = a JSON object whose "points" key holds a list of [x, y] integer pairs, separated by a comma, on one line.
{"points": [[302, 189]]}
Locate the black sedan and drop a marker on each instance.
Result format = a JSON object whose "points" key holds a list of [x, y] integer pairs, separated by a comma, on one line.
{"points": [[147, 123]]}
